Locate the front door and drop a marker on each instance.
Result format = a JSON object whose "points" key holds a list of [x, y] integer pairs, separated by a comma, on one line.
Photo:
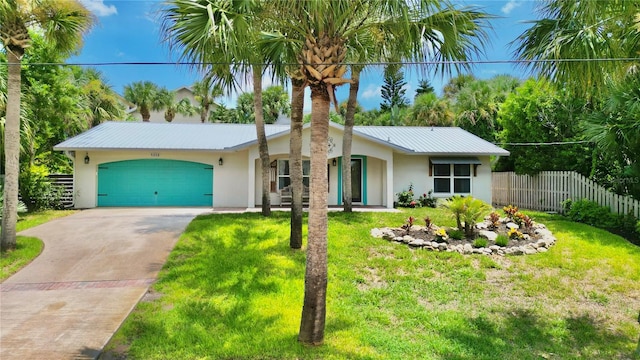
{"points": [[356, 180]]}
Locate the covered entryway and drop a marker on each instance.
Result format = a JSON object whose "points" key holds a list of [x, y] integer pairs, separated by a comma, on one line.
{"points": [[155, 182]]}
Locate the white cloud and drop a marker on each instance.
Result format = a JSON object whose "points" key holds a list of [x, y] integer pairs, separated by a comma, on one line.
{"points": [[99, 8], [510, 5], [371, 92]]}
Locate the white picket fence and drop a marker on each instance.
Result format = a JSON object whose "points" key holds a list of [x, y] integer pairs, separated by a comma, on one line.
{"points": [[547, 190]]}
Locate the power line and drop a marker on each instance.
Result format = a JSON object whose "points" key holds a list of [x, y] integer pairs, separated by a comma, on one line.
{"points": [[547, 143], [381, 63]]}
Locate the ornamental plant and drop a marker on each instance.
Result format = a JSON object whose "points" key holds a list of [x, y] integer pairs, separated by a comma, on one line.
{"points": [[510, 210], [466, 210], [427, 222], [514, 234], [480, 243], [405, 198], [441, 235], [502, 240], [494, 217]]}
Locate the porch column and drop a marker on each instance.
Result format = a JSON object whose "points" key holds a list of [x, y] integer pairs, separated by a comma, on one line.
{"points": [[390, 195], [251, 184]]}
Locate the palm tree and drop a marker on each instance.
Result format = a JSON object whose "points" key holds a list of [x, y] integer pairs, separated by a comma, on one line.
{"points": [[322, 30], [102, 103], [205, 93], [223, 32], [573, 41], [63, 23], [148, 97], [449, 31], [429, 110]]}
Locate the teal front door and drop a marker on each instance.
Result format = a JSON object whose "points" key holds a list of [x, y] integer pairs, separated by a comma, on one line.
{"points": [[155, 182]]}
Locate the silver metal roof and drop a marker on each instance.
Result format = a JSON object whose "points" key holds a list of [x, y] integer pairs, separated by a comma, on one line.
{"points": [[231, 137], [166, 136], [432, 140]]}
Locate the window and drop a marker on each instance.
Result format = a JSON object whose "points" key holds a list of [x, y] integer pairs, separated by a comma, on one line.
{"points": [[452, 176], [284, 178]]}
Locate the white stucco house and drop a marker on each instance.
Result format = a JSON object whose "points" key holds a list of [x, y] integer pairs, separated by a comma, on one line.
{"points": [[217, 165]]}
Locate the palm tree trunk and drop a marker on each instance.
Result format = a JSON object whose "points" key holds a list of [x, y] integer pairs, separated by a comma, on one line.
{"points": [[263, 148], [295, 162], [12, 154], [347, 138], [315, 279]]}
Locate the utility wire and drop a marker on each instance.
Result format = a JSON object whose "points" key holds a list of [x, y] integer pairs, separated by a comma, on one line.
{"points": [[438, 62], [548, 143]]}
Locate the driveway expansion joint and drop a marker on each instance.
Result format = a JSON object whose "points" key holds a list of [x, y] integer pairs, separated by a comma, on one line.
{"points": [[73, 285]]}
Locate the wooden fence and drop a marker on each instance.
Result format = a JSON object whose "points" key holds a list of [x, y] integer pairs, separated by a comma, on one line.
{"points": [[66, 183], [547, 190]]}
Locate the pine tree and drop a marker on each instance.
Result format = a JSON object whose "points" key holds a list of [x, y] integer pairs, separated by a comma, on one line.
{"points": [[424, 87], [393, 92]]}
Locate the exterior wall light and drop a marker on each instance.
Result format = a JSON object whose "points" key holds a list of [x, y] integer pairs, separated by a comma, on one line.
{"points": [[87, 160], [220, 162], [334, 162]]}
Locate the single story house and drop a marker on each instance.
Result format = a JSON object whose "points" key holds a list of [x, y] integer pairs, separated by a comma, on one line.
{"points": [[217, 165]]}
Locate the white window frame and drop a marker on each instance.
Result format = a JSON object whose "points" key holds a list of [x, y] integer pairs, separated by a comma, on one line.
{"points": [[281, 163], [452, 177]]}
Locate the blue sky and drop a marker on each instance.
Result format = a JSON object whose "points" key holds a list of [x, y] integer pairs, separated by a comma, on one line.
{"points": [[128, 31]]}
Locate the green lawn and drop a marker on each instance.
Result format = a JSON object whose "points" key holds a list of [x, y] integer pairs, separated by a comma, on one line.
{"points": [[27, 248], [232, 289]]}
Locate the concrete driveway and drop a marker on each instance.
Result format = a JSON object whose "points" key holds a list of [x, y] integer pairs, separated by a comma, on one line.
{"points": [[95, 267]]}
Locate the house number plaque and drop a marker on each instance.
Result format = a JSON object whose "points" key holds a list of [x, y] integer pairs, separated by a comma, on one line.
{"points": [[155, 154]]}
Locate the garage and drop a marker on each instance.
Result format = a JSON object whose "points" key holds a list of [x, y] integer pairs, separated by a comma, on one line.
{"points": [[155, 182]]}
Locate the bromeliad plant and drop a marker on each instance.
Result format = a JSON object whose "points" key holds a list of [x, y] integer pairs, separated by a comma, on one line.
{"points": [[409, 223]]}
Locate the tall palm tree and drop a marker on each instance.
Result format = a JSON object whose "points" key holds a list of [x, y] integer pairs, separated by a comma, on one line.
{"points": [[63, 23], [174, 107], [148, 97], [205, 93], [223, 32], [440, 32], [573, 42], [323, 32]]}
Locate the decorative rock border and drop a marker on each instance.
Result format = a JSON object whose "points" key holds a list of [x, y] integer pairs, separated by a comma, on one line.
{"points": [[545, 241]]}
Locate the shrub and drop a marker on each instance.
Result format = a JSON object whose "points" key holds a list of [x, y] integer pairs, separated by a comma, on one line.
{"points": [[456, 234], [405, 198], [514, 234], [590, 212], [480, 243], [427, 200], [36, 189], [502, 240]]}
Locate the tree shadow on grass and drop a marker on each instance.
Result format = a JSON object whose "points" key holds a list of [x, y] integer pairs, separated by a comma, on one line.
{"points": [[227, 294], [522, 334]]}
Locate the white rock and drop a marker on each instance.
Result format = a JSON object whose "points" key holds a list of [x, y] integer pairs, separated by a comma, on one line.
{"points": [[512, 225], [416, 242], [442, 246], [494, 248], [398, 238], [489, 235], [529, 250], [467, 248], [481, 226], [542, 249]]}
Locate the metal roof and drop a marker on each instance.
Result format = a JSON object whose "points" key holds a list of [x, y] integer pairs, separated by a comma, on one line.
{"points": [[231, 137], [432, 140], [166, 136]]}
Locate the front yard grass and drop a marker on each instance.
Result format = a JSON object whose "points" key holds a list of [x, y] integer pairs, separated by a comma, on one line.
{"points": [[27, 248], [232, 289]]}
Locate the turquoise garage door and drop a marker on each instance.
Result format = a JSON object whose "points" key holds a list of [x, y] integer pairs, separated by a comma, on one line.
{"points": [[155, 182]]}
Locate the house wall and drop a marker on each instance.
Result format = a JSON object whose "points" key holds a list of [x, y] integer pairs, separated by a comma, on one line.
{"points": [[414, 169], [229, 180], [377, 156]]}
